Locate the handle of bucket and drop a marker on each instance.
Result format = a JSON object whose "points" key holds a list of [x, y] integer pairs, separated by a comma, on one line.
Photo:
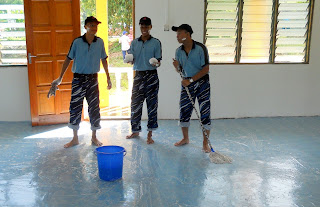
{"points": [[124, 152]]}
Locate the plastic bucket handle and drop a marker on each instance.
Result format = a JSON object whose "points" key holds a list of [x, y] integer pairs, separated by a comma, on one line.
{"points": [[124, 152]]}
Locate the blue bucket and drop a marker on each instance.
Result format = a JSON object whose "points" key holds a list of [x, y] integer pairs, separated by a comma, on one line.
{"points": [[110, 162]]}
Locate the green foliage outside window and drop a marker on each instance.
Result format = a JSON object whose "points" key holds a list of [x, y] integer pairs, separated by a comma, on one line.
{"points": [[11, 2]]}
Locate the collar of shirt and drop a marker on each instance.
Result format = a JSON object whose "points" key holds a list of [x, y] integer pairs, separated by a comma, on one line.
{"points": [[194, 61], [193, 45], [85, 40], [140, 38]]}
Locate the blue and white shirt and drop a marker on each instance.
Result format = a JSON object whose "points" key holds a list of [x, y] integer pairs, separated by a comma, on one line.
{"points": [[143, 51], [86, 57], [193, 62]]}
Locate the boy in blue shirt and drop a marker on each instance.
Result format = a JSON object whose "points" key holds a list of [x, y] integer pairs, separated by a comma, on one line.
{"points": [[86, 52], [146, 82], [192, 59]]}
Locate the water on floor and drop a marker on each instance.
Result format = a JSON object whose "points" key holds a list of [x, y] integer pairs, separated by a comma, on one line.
{"points": [[275, 163]]}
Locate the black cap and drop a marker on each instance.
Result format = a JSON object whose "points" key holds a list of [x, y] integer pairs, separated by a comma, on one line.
{"points": [[91, 19], [185, 27], [145, 21]]}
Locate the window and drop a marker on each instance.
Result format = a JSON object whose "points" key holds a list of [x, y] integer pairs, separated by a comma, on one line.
{"points": [[258, 31], [221, 35], [292, 31], [12, 34]]}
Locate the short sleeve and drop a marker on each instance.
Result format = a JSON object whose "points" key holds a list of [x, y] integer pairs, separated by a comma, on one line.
{"points": [[204, 56], [103, 51], [158, 52], [176, 54], [72, 51], [131, 50]]}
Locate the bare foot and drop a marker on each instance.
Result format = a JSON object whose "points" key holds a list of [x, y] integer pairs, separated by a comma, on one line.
{"points": [[133, 135], [206, 147], [73, 142], [182, 142], [96, 142], [149, 139]]}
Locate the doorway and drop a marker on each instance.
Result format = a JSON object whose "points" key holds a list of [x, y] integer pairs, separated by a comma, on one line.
{"points": [[119, 15]]}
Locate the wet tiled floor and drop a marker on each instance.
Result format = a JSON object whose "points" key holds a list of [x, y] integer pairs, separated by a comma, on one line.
{"points": [[275, 163]]}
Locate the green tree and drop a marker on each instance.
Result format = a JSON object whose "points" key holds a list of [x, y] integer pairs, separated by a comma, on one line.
{"points": [[87, 8], [119, 16], [11, 2]]}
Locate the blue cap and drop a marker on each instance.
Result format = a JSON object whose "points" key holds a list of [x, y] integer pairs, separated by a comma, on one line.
{"points": [[124, 32]]}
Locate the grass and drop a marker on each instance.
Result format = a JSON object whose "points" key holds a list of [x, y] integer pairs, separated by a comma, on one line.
{"points": [[116, 60], [115, 55]]}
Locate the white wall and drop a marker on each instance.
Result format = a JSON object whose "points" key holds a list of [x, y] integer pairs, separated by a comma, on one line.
{"points": [[14, 94], [237, 90]]}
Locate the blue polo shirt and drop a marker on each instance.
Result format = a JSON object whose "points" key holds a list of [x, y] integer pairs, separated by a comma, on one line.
{"points": [[193, 62], [143, 51], [86, 57]]}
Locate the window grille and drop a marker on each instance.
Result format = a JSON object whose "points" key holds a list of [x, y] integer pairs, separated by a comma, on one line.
{"points": [[12, 35], [258, 31]]}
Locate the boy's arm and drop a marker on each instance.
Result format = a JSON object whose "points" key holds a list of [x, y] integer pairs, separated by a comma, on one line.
{"points": [[176, 63], [200, 74], [158, 53], [105, 66], [204, 71], [204, 58], [71, 55], [63, 70]]}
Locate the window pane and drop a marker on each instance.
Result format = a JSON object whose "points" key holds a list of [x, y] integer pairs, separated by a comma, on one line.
{"points": [[221, 30], [292, 31], [256, 31], [12, 35]]}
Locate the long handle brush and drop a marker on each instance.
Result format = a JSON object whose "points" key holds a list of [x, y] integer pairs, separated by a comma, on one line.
{"points": [[214, 156]]}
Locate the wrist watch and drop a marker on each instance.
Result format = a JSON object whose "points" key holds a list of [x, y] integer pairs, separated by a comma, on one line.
{"points": [[191, 80]]}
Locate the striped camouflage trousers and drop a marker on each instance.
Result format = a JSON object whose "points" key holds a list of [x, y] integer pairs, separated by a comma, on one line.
{"points": [[145, 87], [84, 86], [199, 89]]}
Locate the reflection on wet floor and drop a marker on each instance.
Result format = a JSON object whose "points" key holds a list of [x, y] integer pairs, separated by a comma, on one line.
{"points": [[276, 163], [115, 111]]}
